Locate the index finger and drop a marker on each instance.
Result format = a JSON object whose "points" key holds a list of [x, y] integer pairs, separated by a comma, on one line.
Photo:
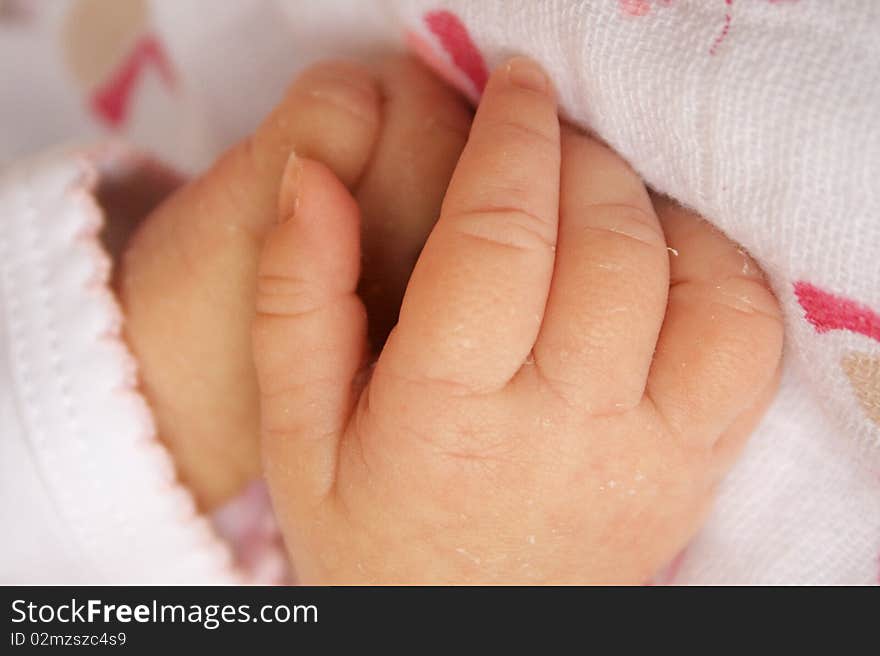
{"points": [[475, 301]]}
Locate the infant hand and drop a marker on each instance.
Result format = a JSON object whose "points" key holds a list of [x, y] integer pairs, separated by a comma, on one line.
{"points": [[187, 280], [568, 380]]}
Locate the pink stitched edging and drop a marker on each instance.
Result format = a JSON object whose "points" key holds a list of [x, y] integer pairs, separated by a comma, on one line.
{"points": [[24, 389], [259, 553], [62, 223]]}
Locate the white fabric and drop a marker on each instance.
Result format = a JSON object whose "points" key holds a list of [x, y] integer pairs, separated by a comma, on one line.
{"points": [[798, 508], [88, 494], [760, 114]]}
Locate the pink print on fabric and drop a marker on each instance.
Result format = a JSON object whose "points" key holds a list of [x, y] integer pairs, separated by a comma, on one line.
{"points": [[111, 100], [643, 7], [451, 53], [827, 311], [724, 30], [456, 41]]}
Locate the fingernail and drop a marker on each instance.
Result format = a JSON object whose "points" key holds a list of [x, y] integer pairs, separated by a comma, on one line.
{"points": [[288, 195], [523, 72]]}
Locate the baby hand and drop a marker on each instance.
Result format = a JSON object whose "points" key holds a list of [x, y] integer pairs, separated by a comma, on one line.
{"points": [[568, 380], [187, 279]]}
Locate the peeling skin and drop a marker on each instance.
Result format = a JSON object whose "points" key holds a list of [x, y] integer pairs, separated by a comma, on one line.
{"points": [[747, 268], [464, 552]]}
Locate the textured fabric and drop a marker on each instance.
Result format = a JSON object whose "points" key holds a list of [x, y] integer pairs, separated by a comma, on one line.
{"points": [[759, 114], [762, 116], [88, 494]]}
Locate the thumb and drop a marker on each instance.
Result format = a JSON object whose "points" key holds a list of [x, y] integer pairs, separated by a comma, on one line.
{"points": [[309, 332]]}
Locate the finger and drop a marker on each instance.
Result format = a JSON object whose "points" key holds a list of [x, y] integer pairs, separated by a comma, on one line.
{"points": [[608, 293], [425, 125], [728, 447], [474, 303], [309, 333], [721, 341], [209, 234], [331, 114]]}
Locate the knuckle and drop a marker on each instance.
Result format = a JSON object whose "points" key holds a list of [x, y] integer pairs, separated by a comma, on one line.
{"points": [[531, 135], [570, 384], [283, 296], [391, 379], [442, 108], [630, 223], [510, 228], [339, 88], [751, 295], [746, 295]]}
